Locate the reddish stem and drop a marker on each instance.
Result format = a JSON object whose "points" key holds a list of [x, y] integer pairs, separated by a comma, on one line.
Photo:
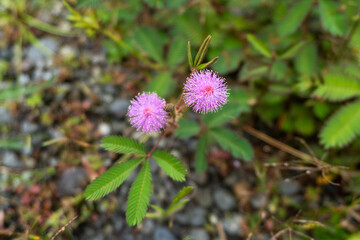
{"points": [[179, 101], [148, 155]]}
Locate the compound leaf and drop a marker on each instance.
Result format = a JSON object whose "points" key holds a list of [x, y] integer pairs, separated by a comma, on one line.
{"points": [[338, 87], [342, 127], [122, 145], [228, 112], [294, 17], [139, 196], [111, 179], [170, 164], [187, 128], [228, 140], [200, 155]]}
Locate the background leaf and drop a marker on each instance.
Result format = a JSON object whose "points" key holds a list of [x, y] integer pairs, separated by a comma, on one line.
{"points": [[200, 155], [331, 19], [294, 17], [338, 87], [177, 52], [151, 41], [229, 141], [187, 128], [163, 84], [259, 45], [111, 179], [170, 164], [228, 112], [122, 145], [139, 196], [342, 127]]}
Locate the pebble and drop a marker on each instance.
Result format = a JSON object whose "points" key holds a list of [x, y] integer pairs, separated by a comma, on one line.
{"points": [[104, 129], [147, 226], [289, 187], [163, 233], [224, 199], [117, 222], [258, 201], [10, 159], [197, 216], [5, 115], [24, 79], [204, 197], [29, 127], [36, 56], [199, 234], [119, 107], [232, 224], [71, 181]]}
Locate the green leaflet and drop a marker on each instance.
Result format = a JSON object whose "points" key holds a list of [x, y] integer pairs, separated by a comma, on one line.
{"points": [[162, 84], [294, 17], [306, 61], [187, 128], [111, 179], [139, 196], [151, 41], [200, 155], [292, 51], [122, 145], [170, 164], [338, 87], [342, 127], [259, 45], [228, 112], [331, 20], [183, 193], [176, 53], [228, 140]]}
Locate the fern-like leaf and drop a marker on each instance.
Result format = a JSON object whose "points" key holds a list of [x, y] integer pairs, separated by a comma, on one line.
{"points": [[331, 20], [342, 127], [229, 112], [229, 141], [139, 196], [111, 179], [170, 164], [122, 145], [338, 87]]}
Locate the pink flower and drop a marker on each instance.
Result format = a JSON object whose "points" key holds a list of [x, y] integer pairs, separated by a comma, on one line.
{"points": [[205, 91], [146, 112]]}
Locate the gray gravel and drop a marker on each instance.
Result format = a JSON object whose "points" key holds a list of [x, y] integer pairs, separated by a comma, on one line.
{"points": [[224, 199]]}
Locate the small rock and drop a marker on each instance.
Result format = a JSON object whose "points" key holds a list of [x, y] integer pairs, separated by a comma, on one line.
{"points": [[148, 227], [199, 178], [72, 181], [197, 216], [104, 129], [204, 197], [68, 52], [224, 199], [9, 159], [36, 56], [117, 222], [5, 115], [29, 127], [289, 187], [24, 79], [258, 201], [119, 107], [199, 234], [233, 224], [163, 233]]}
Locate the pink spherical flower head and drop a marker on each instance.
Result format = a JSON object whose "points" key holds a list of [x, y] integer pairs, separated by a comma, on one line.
{"points": [[146, 112], [205, 91]]}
